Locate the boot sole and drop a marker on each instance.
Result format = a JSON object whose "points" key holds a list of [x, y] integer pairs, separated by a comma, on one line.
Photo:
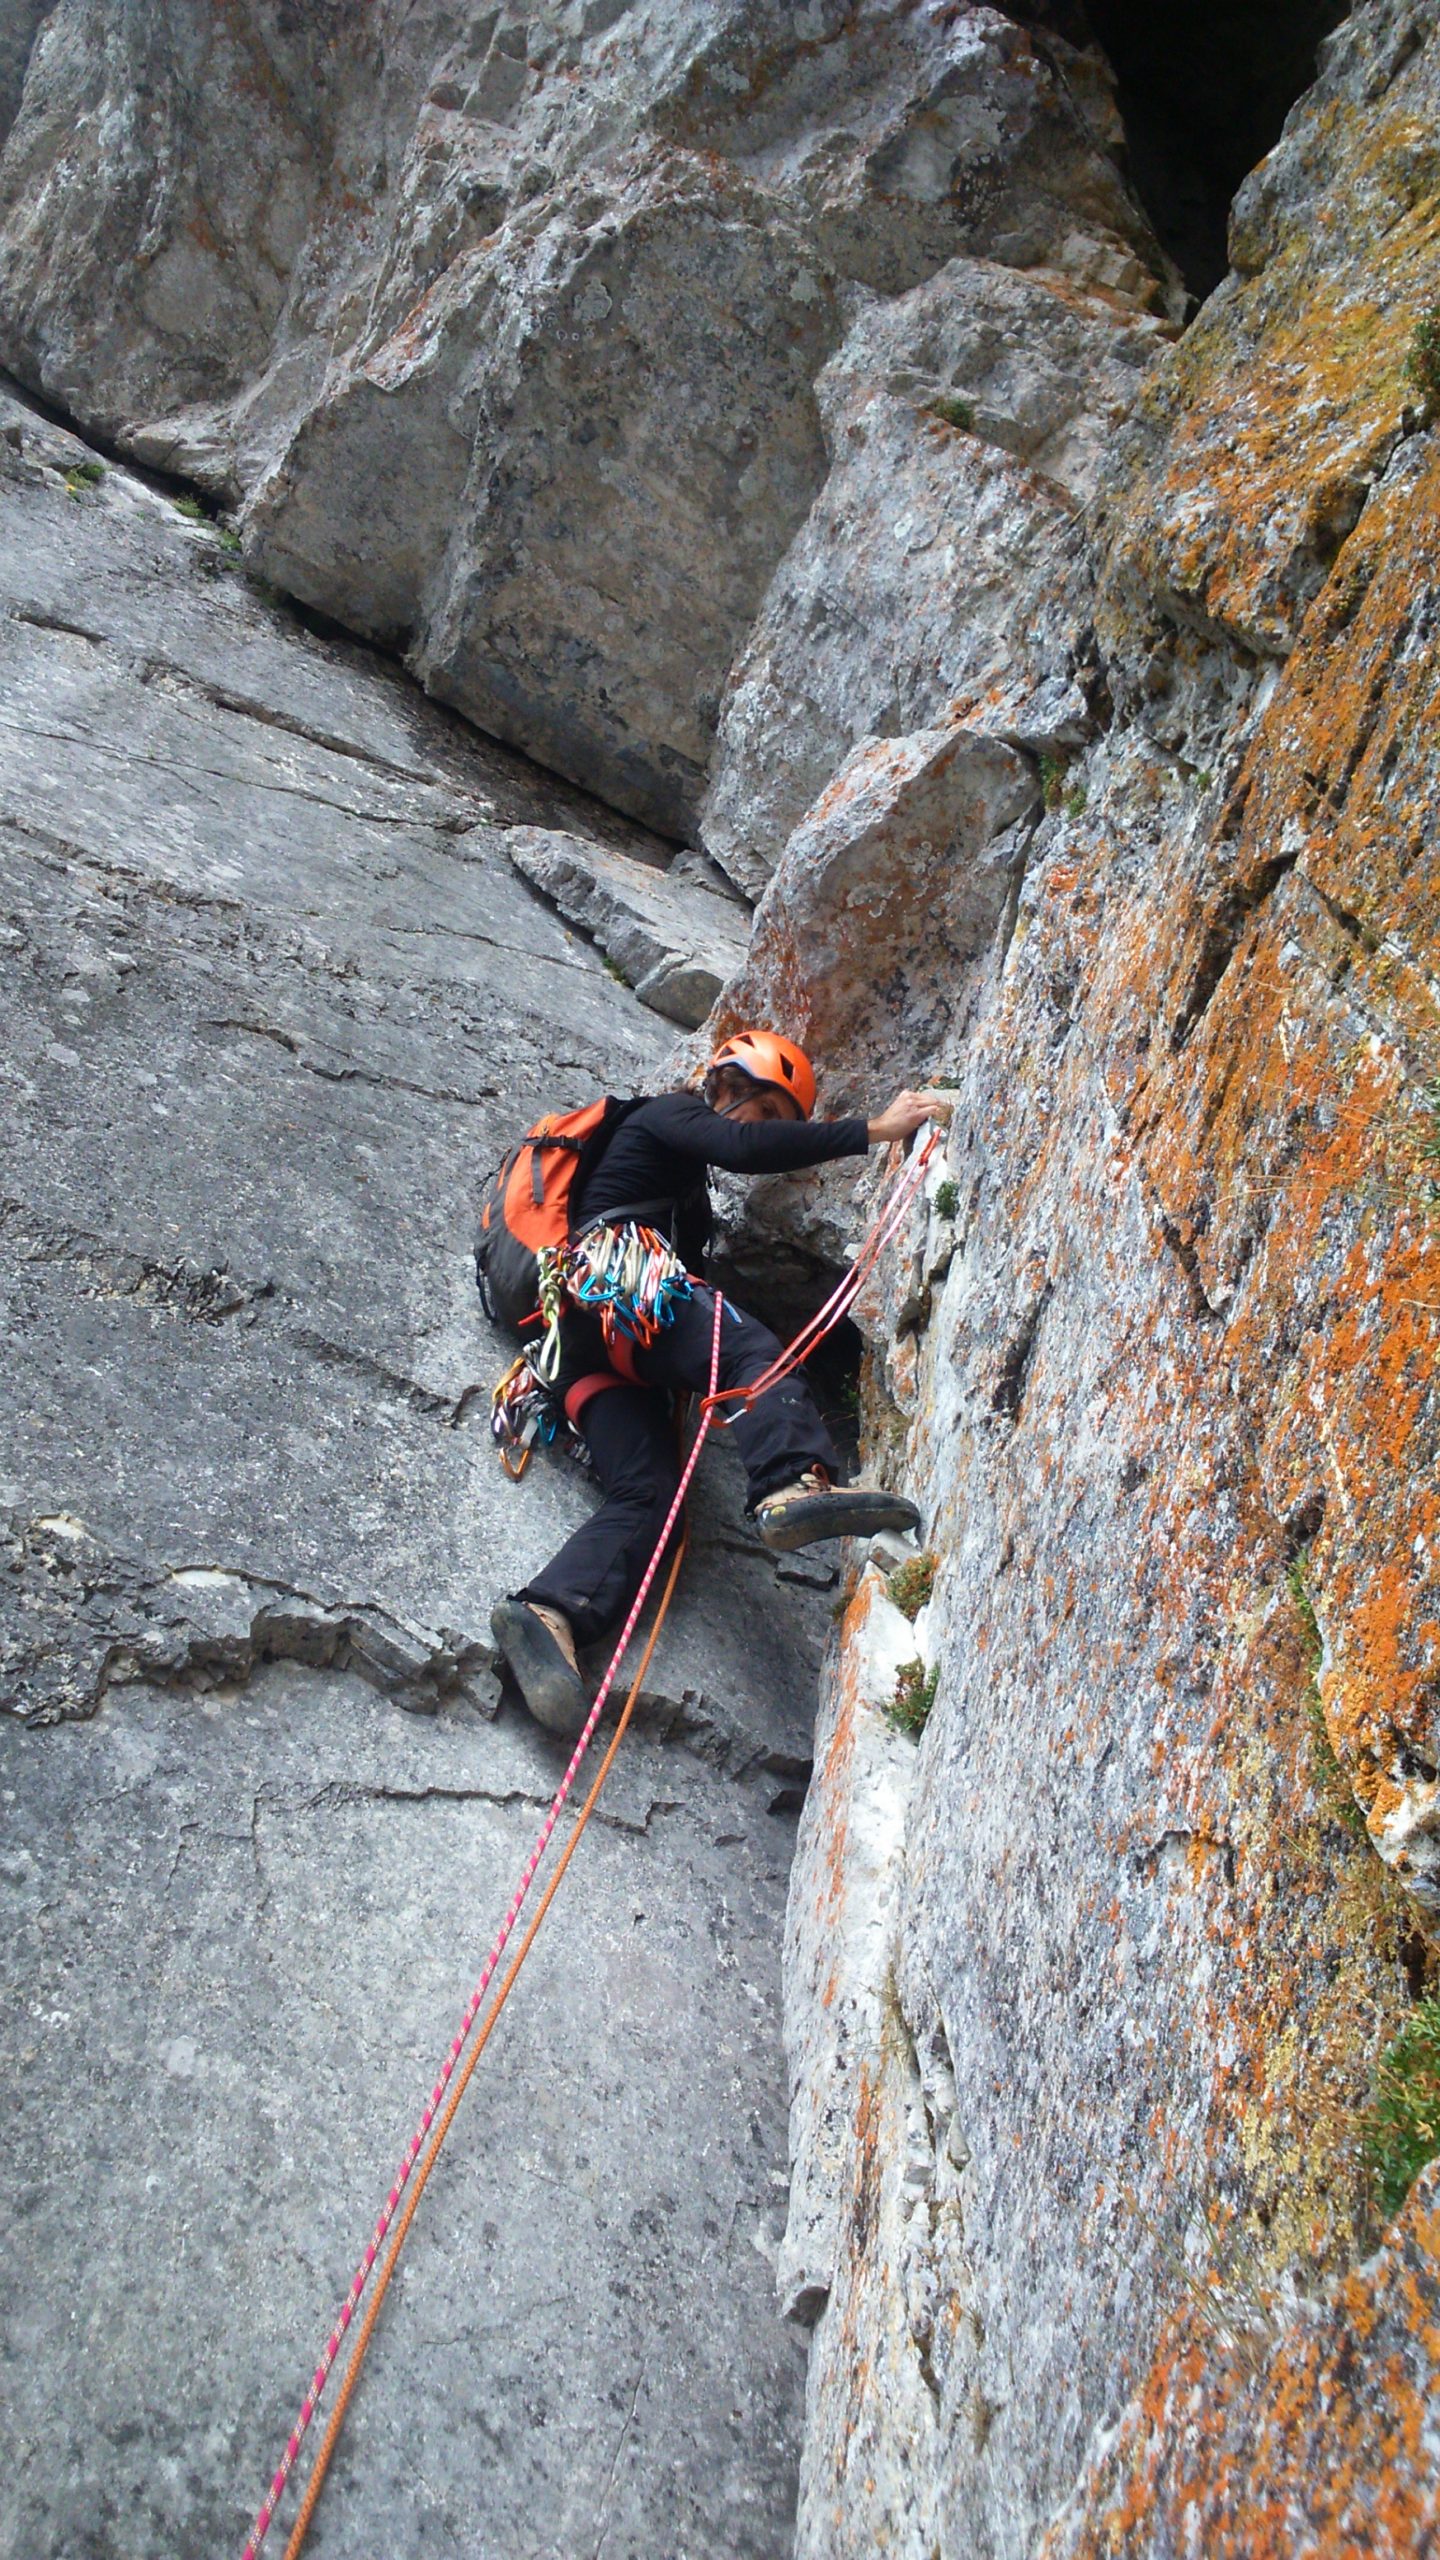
{"points": [[551, 1690], [836, 1515]]}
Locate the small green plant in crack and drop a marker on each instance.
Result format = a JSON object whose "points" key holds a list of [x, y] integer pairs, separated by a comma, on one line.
{"points": [[1422, 361], [947, 1199], [911, 1584], [1329, 1777], [1402, 2124], [83, 476], [1053, 769], [195, 511], [1074, 801], [953, 412], [915, 1687]]}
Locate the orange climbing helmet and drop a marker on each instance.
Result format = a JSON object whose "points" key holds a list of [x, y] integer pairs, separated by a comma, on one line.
{"points": [[768, 1059]]}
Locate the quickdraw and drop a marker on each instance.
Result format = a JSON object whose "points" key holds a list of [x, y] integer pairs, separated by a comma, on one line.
{"points": [[524, 1410], [632, 1275], [628, 1274]]}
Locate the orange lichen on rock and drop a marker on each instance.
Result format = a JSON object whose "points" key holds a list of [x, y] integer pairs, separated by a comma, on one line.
{"points": [[1256, 441], [1245, 2443]]}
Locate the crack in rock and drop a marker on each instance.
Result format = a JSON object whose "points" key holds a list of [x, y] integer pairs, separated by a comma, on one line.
{"points": [[209, 1295], [348, 1073], [77, 1619], [344, 1791]]}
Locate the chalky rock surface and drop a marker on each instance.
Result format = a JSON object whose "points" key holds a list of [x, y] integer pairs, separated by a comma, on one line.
{"points": [[274, 1000], [1079, 2079], [505, 324], [18, 31], [673, 935], [940, 571]]}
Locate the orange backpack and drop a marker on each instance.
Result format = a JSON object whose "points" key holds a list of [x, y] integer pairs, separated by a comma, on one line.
{"points": [[527, 1205]]}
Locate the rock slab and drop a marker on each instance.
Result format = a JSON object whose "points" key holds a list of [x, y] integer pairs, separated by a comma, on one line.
{"points": [[275, 998]]}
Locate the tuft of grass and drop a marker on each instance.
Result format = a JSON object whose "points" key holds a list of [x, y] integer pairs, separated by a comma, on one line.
{"points": [[82, 476], [915, 1687], [1075, 801], [947, 1199], [192, 510], [1422, 361], [953, 412], [1053, 769], [911, 1584], [1329, 1778], [1402, 2125], [230, 540], [613, 970]]}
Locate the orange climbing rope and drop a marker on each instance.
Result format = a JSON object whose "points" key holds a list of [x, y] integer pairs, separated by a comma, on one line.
{"points": [[321, 2465]]}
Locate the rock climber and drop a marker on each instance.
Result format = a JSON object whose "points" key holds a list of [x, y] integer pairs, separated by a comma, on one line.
{"points": [[750, 1116]]}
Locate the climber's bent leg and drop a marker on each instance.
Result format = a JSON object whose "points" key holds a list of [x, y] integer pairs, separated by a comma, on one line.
{"points": [[631, 1438], [781, 1435], [788, 1454]]}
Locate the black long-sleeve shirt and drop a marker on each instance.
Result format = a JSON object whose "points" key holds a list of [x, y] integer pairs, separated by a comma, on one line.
{"points": [[662, 1148]]}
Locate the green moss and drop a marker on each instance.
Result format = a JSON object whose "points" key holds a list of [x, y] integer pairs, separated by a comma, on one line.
{"points": [[1326, 1773], [1422, 361], [1075, 801], [82, 476], [1402, 2128], [911, 1584], [192, 509], [952, 412], [915, 1687], [947, 1199], [1053, 769]]}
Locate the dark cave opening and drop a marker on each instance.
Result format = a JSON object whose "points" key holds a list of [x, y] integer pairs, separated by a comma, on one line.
{"points": [[1204, 87]]}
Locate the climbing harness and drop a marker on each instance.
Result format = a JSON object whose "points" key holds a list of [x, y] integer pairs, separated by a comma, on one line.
{"points": [[885, 1226]]}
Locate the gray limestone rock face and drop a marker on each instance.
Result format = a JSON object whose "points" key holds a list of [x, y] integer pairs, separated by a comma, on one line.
{"points": [[873, 941], [673, 936], [18, 30], [275, 999], [1087, 2011], [505, 325], [645, 444], [941, 568]]}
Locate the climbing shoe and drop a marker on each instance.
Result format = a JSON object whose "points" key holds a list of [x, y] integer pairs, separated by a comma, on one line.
{"points": [[540, 1650], [801, 1514]]}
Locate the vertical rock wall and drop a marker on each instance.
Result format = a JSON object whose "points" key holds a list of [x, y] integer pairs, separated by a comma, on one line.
{"points": [[1079, 2068], [774, 417], [551, 284]]}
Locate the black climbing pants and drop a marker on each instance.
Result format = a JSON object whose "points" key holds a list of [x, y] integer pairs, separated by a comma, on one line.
{"points": [[630, 1434]]}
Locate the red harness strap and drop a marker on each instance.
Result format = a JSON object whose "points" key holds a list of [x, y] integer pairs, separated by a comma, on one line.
{"points": [[586, 1389], [622, 1357]]}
